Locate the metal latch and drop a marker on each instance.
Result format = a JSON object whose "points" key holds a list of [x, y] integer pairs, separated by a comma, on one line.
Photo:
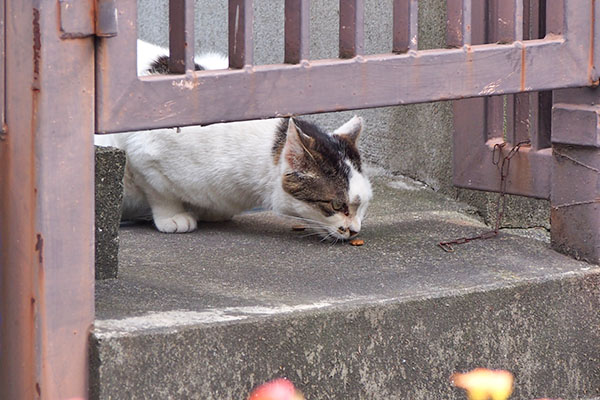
{"points": [[84, 18]]}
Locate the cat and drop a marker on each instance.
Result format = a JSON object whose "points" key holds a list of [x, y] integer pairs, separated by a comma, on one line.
{"points": [[153, 59], [184, 175]]}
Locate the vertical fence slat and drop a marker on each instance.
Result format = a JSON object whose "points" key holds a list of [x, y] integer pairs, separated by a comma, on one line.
{"points": [[459, 27], [352, 28], [405, 26], [181, 36], [522, 128], [540, 102], [518, 20], [297, 31], [2, 77], [555, 16], [467, 21], [506, 20], [241, 44]]}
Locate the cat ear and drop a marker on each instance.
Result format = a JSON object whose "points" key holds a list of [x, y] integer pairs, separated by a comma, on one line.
{"points": [[350, 130], [297, 145]]}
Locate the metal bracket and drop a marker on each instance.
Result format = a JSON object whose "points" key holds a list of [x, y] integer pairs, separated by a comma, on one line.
{"points": [[84, 18]]}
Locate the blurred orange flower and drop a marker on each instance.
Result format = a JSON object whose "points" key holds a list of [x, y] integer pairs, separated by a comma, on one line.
{"points": [[485, 384], [278, 389]]}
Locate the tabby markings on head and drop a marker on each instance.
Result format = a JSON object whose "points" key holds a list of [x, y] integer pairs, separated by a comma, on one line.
{"points": [[320, 173]]}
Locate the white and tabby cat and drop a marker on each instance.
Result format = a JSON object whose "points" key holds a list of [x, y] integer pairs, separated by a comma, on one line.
{"points": [[211, 173]]}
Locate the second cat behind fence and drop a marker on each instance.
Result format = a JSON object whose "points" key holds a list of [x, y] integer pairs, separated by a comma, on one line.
{"points": [[184, 175]]}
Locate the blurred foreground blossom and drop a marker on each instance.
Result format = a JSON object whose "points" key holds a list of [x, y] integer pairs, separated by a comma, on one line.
{"points": [[485, 384], [278, 389]]}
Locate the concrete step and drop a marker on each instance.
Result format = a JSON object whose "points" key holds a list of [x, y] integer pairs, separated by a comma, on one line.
{"points": [[211, 314]]}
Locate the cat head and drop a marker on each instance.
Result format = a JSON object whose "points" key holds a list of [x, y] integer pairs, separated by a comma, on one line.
{"points": [[322, 176]]}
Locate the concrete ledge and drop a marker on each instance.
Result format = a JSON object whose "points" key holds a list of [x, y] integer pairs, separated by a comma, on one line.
{"points": [[110, 166], [544, 332], [210, 314]]}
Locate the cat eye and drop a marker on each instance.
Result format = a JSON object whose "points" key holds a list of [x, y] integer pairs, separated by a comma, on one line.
{"points": [[337, 205]]}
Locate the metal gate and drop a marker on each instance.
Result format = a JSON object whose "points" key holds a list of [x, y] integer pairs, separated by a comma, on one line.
{"points": [[50, 106], [564, 58]]}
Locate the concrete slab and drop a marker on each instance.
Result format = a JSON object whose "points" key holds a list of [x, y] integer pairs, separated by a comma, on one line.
{"points": [[212, 313], [109, 170]]}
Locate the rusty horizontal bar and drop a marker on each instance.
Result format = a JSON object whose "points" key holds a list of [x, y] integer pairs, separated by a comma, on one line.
{"points": [[181, 36], [297, 31], [126, 102], [405, 26], [352, 28], [241, 40], [337, 85]]}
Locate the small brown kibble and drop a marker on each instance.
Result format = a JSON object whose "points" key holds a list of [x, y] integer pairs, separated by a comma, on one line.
{"points": [[298, 227], [356, 242]]}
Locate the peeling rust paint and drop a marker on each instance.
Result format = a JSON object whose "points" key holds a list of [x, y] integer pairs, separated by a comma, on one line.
{"points": [[37, 48], [39, 247]]}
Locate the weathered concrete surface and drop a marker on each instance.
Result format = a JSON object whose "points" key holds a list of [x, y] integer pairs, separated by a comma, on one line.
{"points": [[210, 314], [110, 166]]}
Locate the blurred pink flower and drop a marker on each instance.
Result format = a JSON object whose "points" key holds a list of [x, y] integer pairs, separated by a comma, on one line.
{"points": [[278, 389], [485, 384]]}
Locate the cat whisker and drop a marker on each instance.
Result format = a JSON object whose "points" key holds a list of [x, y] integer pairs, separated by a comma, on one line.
{"points": [[308, 221], [315, 233], [328, 236]]}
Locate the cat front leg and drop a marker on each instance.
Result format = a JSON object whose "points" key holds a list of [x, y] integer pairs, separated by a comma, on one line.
{"points": [[169, 215]]}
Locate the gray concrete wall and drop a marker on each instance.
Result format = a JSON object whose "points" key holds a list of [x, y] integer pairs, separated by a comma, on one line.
{"points": [[414, 140]]}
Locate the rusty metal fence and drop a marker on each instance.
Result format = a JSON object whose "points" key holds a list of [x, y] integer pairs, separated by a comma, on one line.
{"points": [[402, 76], [70, 70]]}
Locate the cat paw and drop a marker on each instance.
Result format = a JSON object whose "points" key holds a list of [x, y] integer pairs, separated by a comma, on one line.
{"points": [[179, 223]]}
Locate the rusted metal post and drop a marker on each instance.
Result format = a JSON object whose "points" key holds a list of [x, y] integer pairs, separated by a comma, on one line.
{"points": [[2, 76], [241, 44], [352, 28], [459, 26], [575, 197], [297, 31], [46, 207], [181, 36], [405, 26]]}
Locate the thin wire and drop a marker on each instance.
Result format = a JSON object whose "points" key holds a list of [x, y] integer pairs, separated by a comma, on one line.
{"points": [[500, 203]]}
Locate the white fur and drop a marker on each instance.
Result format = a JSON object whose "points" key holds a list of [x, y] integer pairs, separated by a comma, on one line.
{"points": [[221, 169], [212, 173], [148, 52], [215, 172]]}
